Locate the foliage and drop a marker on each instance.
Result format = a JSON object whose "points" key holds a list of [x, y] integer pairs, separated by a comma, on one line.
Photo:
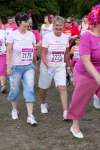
{"points": [[76, 8]]}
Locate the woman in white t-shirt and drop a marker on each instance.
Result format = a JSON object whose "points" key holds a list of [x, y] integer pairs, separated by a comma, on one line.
{"points": [[20, 67], [46, 27], [54, 50], [84, 25]]}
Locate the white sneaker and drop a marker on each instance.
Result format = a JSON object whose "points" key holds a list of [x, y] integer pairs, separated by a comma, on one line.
{"points": [[14, 114], [31, 120], [96, 102], [44, 108], [76, 134], [65, 115]]}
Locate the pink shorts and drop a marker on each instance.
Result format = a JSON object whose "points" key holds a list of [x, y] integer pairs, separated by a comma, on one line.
{"points": [[3, 65]]}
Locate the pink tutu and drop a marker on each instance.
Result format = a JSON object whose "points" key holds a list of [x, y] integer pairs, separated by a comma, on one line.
{"points": [[3, 65]]}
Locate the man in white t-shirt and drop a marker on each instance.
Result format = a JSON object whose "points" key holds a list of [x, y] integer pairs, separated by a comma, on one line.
{"points": [[54, 51]]}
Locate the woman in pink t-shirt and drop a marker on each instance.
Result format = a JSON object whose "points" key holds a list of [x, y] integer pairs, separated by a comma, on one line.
{"points": [[86, 72]]}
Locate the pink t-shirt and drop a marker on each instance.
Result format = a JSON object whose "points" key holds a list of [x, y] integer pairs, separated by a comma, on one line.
{"points": [[89, 45], [2, 26]]}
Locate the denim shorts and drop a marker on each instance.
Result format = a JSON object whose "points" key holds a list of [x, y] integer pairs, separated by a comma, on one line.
{"points": [[24, 74]]}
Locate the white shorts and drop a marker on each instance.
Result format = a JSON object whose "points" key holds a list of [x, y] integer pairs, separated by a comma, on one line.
{"points": [[56, 73]]}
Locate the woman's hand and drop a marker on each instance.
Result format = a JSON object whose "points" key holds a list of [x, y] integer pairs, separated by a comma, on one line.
{"points": [[8, 71], [97, 78], [45, 61], [69, 70]]}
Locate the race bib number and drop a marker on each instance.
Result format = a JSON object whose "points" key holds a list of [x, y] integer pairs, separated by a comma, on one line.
{"points": [[27, 54], [56, 57], [76, 54]]}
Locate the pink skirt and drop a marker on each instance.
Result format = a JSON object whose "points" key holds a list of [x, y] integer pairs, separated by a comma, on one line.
{"points": [[3, 65]]}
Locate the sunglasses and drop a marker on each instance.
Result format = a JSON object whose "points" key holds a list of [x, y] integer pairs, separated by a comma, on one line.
{"points": [[68, 22]]}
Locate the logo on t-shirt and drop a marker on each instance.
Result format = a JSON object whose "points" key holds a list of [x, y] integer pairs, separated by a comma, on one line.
{"points": [[27, 54]]}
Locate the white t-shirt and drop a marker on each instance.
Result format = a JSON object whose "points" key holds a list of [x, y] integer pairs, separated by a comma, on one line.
{"points": [[2, 42], [8, 31], [56, 46], [22, 47], [76, 52], [46, 29]]}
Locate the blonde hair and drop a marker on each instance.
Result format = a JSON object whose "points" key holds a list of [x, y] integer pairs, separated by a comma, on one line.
{"points": [[58, 19]]}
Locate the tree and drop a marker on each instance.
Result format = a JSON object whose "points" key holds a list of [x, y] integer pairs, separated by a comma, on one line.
{"points": [[40, 8]]}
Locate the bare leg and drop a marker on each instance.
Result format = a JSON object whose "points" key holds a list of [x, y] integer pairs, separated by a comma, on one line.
{"points": [[3, 84], [75, 125], [63, 95], [30, 119], [14, 112], [76, 130], [3, 80], [29, 108], [43, 95]]}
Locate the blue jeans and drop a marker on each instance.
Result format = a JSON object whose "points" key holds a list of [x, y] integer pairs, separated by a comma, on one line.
{"points": [[26, 75]]}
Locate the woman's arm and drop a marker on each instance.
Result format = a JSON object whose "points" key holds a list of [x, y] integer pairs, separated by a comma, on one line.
{"points": [[67, 58], [44, 56], [9, 57], [90, 68]]}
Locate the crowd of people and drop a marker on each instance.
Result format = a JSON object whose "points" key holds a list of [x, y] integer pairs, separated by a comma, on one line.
{"points": [[68, 51]]}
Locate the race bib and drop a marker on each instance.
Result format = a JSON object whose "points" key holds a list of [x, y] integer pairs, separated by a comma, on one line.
{"points": [[76, 54], [27, 54], [56, 57]]}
